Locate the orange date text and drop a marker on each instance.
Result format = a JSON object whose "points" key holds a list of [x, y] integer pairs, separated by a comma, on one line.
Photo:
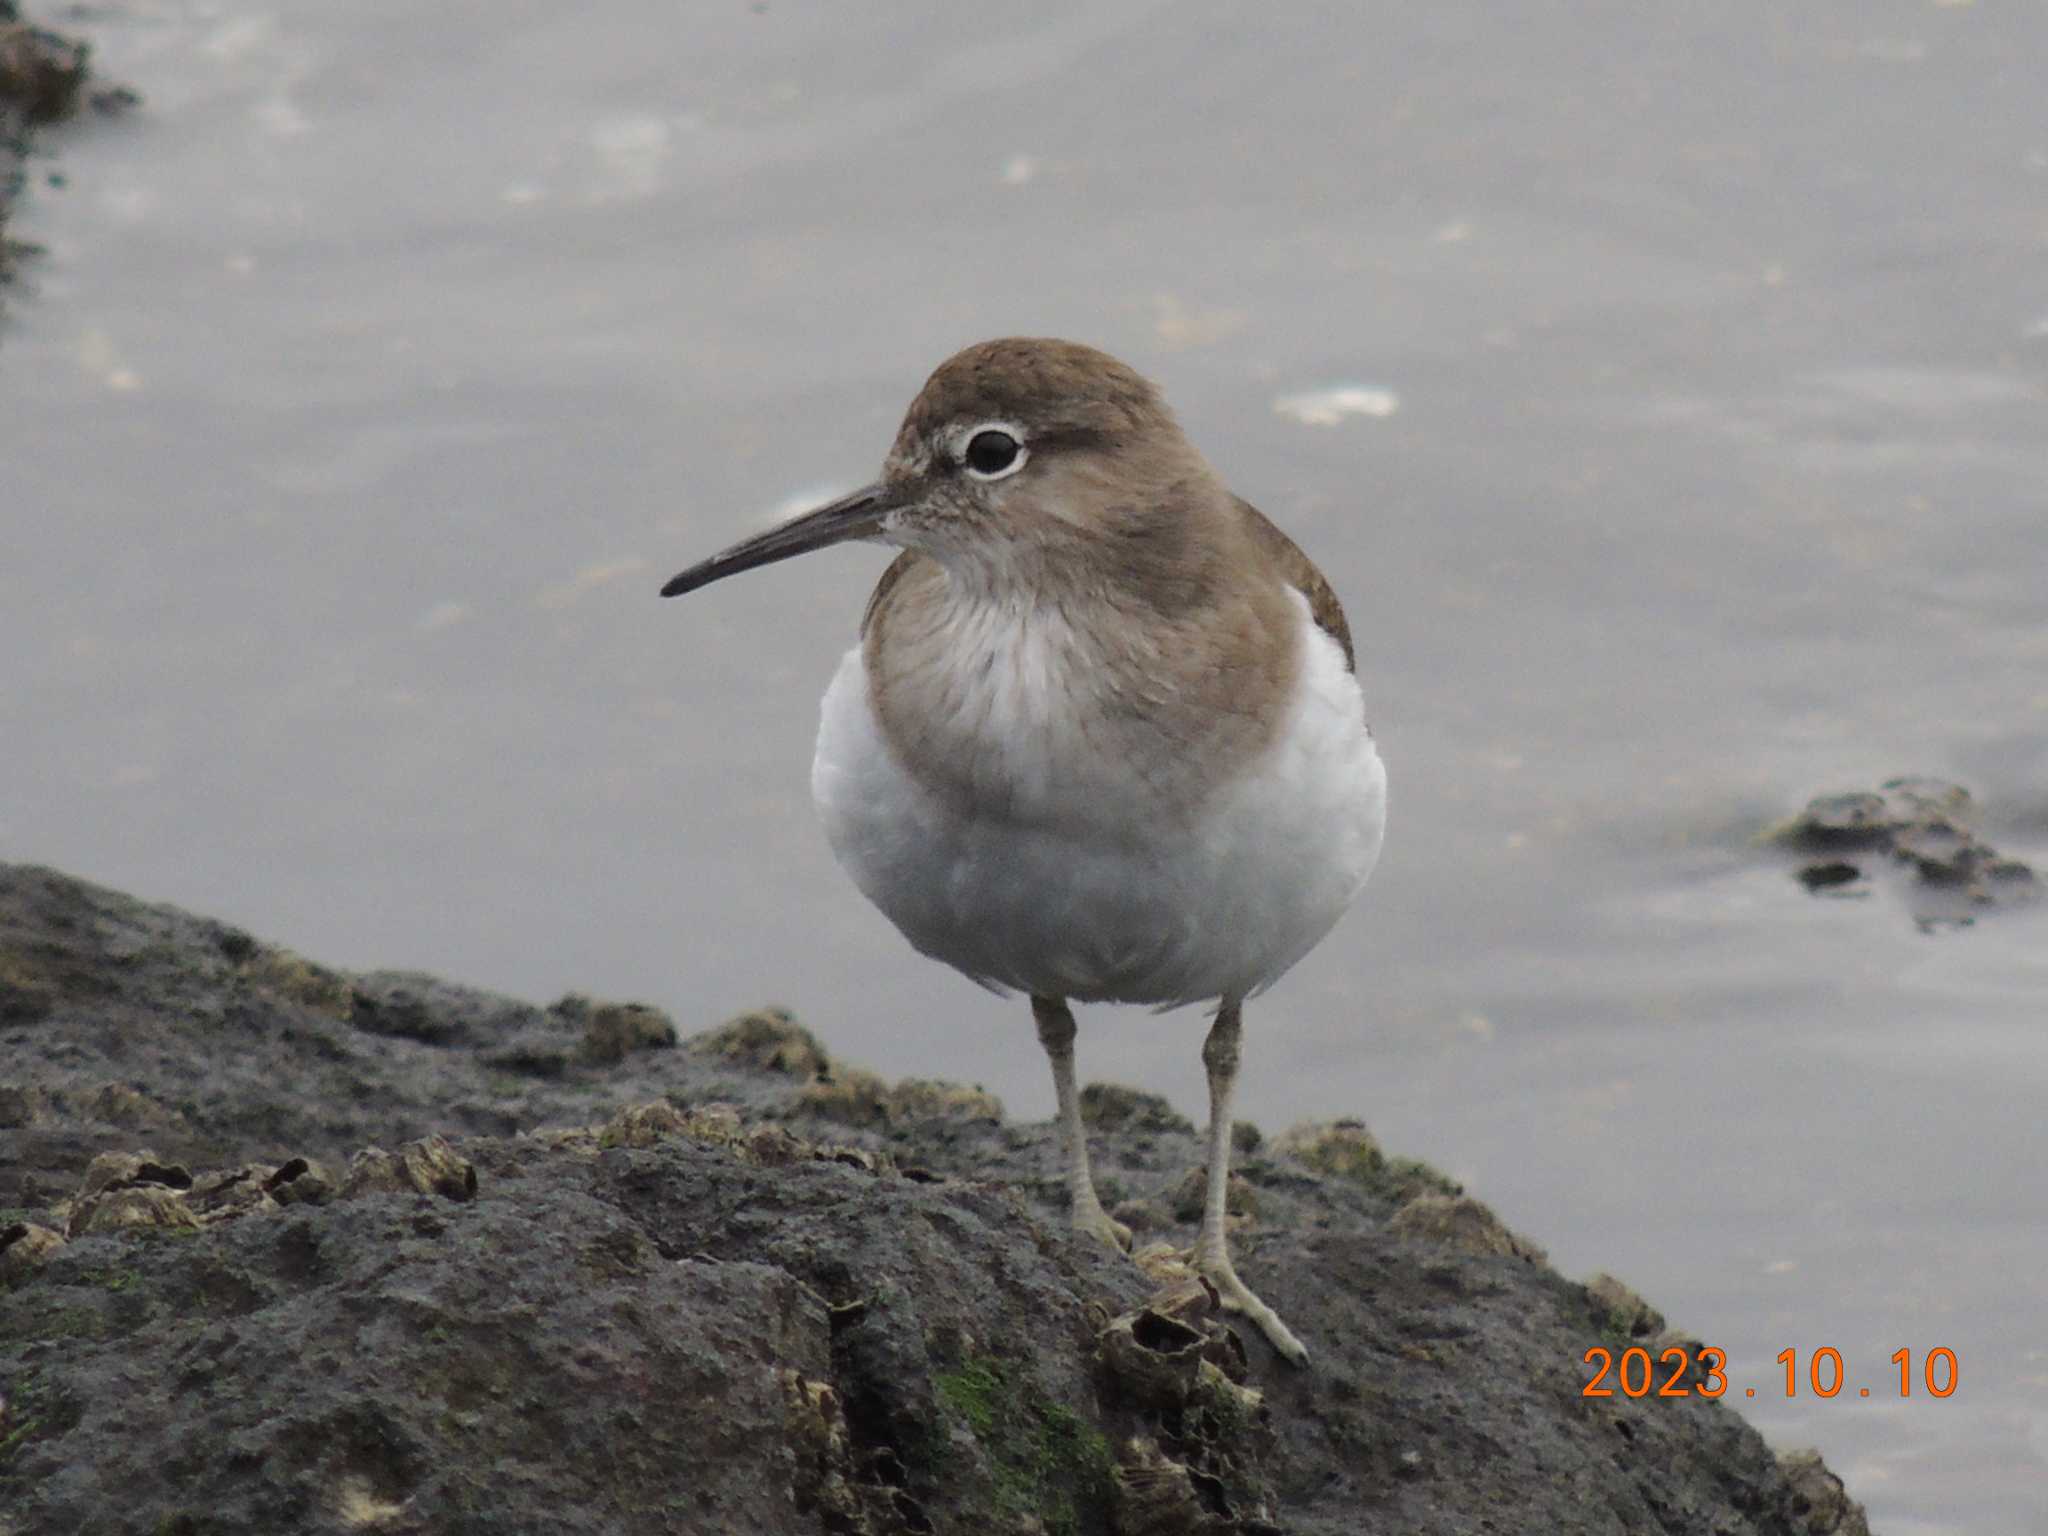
{"points": [[1702, 1371]]}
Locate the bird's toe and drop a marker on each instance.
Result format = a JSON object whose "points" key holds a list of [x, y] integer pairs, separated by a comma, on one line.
{"points": [[1237, 1297], [1112, 1234]]}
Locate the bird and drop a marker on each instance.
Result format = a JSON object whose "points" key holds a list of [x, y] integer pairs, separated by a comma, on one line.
{"points": [[1101, 738]]}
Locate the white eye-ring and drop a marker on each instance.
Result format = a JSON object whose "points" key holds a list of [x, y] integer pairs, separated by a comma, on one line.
{"points": [[993, 451]]}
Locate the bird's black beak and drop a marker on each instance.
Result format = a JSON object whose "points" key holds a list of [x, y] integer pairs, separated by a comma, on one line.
{"points": [[858, 516]]}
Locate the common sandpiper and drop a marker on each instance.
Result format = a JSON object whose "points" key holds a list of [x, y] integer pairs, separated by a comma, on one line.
{"points": [[1102, 739]]}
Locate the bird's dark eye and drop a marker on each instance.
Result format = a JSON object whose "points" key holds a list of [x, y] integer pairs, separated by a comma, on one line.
{"points": [[990, 452]]}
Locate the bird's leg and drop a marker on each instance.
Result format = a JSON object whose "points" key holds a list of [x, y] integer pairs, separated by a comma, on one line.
{"points": [[1056, 1034], [1220, 1054]]}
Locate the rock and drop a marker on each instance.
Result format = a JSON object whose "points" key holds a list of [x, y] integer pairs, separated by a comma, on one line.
{"points": [[1114, 1107], [42, 75], [1240, 1199], [644, 1125], [928, 1098], [429, 1166], [537, 1054], [228, 1193], [766, 1040], [1622, 1309], [128, 1189], [851, 1096], [281, 973], [129, 1108], [1345, 1149], [139, 1205], [856, 1097], [413, 1006], [1857, 820], [1923, 826], [302, 1181], [1175, 1361], [615, 1030], [1460, 1222], [1141, 1215], [24, 1246], [1830, 875], [667, 1296], [119, 1170], [1821, 1506], [1156, 1496], [833, 1482], [21, 1106]]}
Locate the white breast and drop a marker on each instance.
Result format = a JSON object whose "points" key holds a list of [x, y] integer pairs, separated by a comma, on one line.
{"points": [[1087, 886]]}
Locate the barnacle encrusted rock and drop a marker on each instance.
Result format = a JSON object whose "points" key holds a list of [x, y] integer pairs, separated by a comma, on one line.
{"points": [[302, 1181], [118, 1170], [833, 1482], [429, 1166], [705, 1282], [850, 1095], [128, 1189], [24, 1246], [932, 1098], [643, 1125], [1460, 1222], [1177, 1363], [136, 1189], [613, 1031], [856, 1097], [137, 1205], [1157, 1495], [1625, 1311], [1345, 1149], [765, 1040], [291, 976], [764, 1145], [1170, 1357], [1115, 1107], [1822, 1503], [226, 1193]]}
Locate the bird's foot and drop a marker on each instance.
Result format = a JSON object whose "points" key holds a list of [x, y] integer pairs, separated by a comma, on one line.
{"points": [[1098, 1224], [1215, 1267]]}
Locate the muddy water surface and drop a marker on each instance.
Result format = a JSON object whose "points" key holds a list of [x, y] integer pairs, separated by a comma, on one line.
{"points": [[1665, 390]]}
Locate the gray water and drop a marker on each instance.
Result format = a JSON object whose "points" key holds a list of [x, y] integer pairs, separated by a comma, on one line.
{"points": [[384, 364]]}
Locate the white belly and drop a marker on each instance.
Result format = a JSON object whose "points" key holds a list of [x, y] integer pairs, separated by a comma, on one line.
{"points": [[1128, 901]]}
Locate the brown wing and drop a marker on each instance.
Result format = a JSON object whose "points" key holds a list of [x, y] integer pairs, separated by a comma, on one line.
{"points": [[899, 568], [1300, 571]]}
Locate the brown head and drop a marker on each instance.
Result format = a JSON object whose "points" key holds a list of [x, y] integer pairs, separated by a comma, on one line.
{"points": [[1020, 458]]}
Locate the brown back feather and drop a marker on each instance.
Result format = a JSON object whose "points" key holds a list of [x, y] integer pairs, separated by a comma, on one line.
{"points": [[1299, 571]]}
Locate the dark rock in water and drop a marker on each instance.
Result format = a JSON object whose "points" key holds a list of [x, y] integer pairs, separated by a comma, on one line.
{"points": [[714, 1289], [1859, 820], [42, 75], [1830, 876], [42, 81], [1922, 827]]}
